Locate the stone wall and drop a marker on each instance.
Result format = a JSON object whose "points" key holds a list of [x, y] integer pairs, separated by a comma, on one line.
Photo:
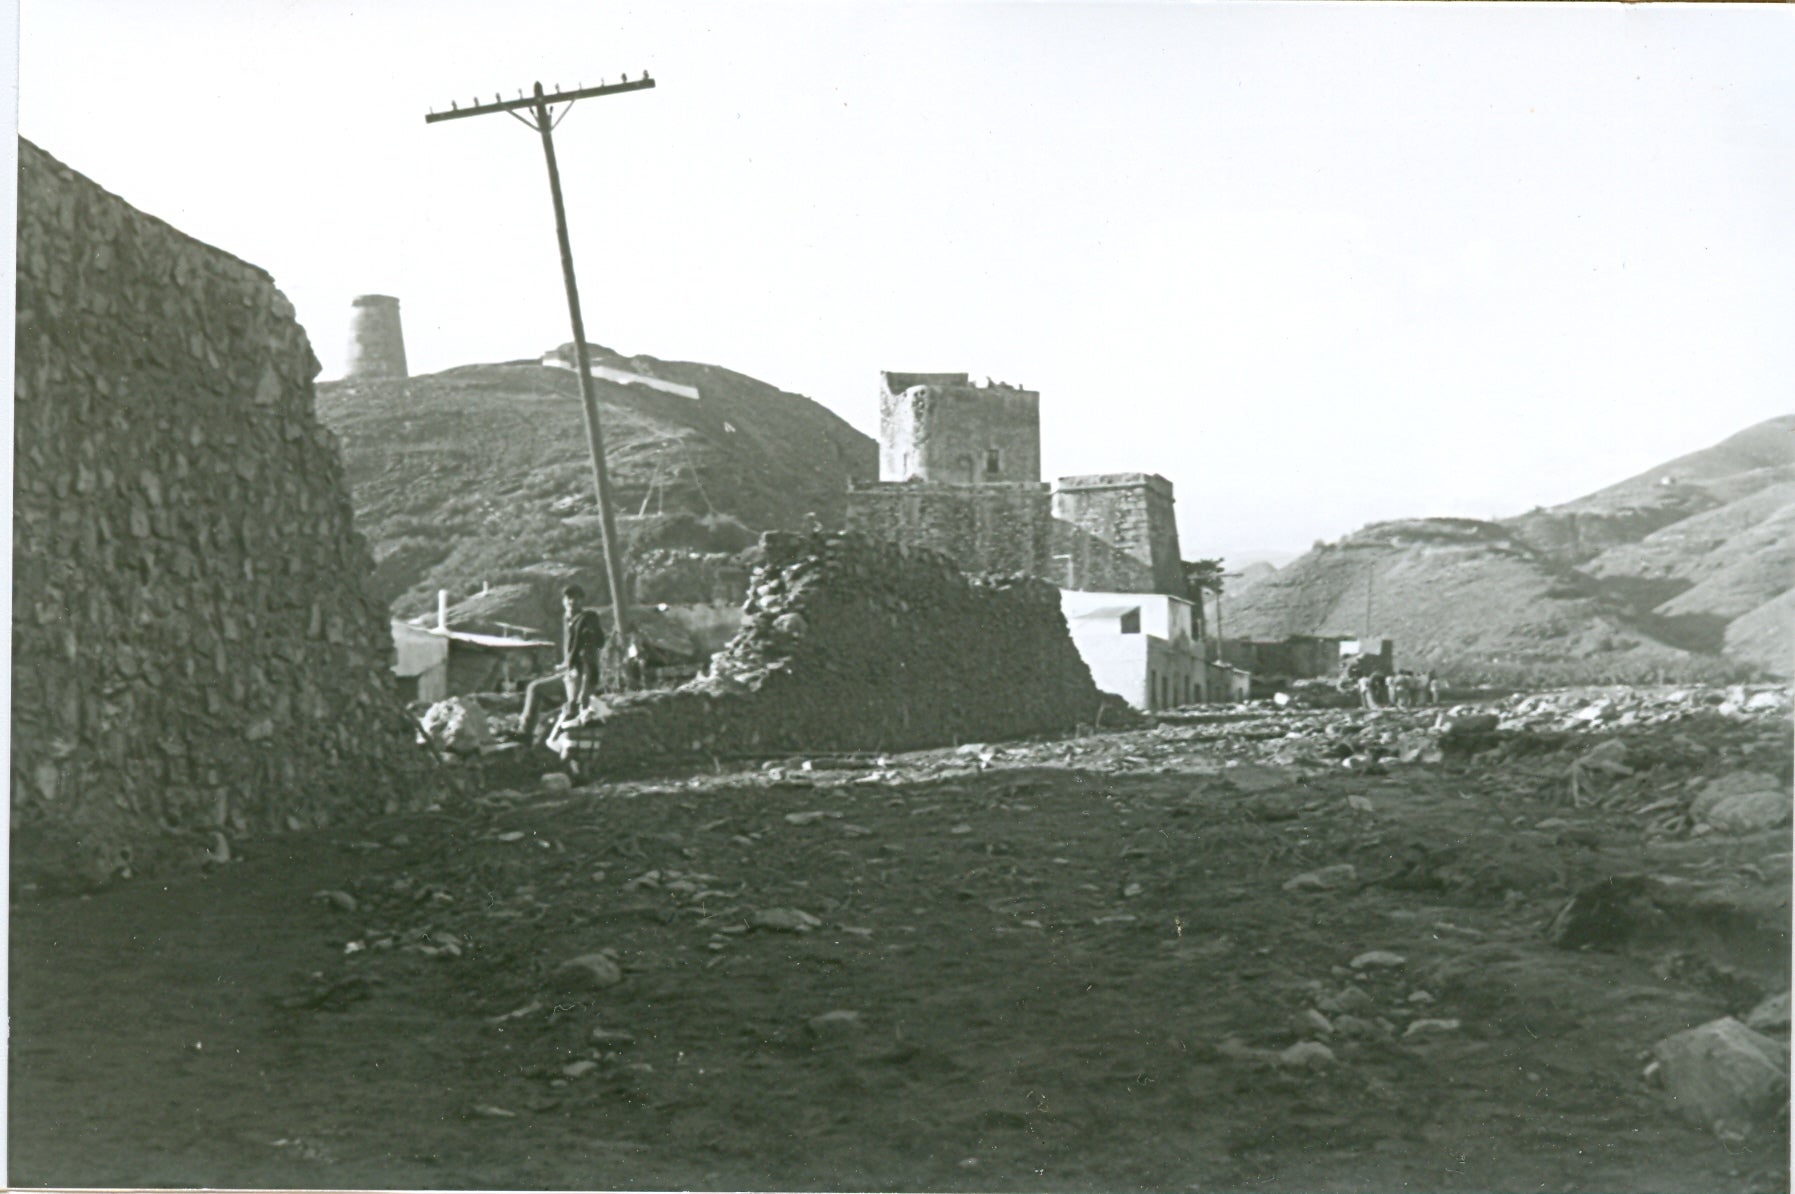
{"points": [[852, 644], [1118, 532], [941, 427], [982, 528], [193, 652]]}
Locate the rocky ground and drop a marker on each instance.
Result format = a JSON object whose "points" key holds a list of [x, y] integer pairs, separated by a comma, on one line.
{"points": [[1253, 947]]}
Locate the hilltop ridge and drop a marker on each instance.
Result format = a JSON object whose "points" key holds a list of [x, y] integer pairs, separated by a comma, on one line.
{"points": [[480, 473], [1684, 570]]}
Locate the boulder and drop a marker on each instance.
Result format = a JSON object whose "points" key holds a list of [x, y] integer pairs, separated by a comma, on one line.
{"points": [[1722, 1074], [1472, 725], [458, 725], [1772, 1015], [1743, 802], [588, 972]]}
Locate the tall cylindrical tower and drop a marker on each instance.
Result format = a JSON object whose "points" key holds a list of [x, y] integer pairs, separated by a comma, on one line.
{"points": [[376, 345]]}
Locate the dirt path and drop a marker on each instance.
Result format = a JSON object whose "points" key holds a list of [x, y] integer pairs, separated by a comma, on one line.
{"points": [[1062, 966]]}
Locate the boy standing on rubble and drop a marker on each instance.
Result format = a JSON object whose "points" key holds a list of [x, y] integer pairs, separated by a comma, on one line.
{"points": [[582, 640]]}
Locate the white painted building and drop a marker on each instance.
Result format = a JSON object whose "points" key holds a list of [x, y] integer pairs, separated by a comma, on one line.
{"points": [[1138, 646]]}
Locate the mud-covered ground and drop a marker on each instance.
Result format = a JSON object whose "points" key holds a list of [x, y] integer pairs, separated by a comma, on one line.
{"points": [[1080, 964]]}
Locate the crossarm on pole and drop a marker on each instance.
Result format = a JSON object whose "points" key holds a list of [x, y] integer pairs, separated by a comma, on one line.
{"points": [[530, 101]]}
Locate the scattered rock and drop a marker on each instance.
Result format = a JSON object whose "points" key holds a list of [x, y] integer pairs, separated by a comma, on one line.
{"points": [[784, 920], [528, 1009], [458, 725], [1307, 1055], [337, 899], [834, 1023], [1350, 999], [1328, 878], [589, 971], [579, 1069], [792, 624], [1417, 746], [1772, 1015], [555, 781], [1428, 1027], [1378, 958], [488, 1111], [1354, 1027], [1723, 1074], [1743, 802], [1311, 1021], [612, 1036], [804, 818]]}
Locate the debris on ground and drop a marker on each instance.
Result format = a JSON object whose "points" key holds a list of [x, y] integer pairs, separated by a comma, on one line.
{"points": [[1725, 1075], [458, 725]]}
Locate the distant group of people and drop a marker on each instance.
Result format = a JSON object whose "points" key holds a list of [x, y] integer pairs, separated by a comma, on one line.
{"points": [[1400, 690]]}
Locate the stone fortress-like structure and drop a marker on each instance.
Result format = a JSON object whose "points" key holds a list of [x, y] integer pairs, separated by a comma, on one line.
{"points": [[960, 472], [944, 427]]}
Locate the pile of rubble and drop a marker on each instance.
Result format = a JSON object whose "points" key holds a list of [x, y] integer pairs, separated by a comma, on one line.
{"points": [[1690, 760], [851, 644]]}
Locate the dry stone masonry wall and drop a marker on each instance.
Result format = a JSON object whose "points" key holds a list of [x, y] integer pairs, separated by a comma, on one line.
{"points": [[853, 644], [193, 652], [1005, 528]]}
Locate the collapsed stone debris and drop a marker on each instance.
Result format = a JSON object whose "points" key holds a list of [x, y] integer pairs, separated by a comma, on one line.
{"points": [[849, 644]]}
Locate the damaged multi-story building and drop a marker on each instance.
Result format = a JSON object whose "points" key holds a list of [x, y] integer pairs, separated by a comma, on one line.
{"points": [[960, 473]]}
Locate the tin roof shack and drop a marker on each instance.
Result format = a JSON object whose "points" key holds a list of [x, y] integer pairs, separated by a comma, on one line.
{"points": [[421, 662], [1138, 646], [496, 662]]}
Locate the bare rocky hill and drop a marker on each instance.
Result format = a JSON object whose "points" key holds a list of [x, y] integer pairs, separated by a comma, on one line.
{"points": [[1684, 571], [480, 474]]}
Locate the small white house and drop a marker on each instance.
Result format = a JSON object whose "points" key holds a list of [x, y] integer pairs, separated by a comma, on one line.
{"points": [[1138, 646]]}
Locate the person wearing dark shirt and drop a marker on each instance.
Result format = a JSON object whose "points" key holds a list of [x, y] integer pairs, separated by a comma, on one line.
{"points": [[582, 640]]}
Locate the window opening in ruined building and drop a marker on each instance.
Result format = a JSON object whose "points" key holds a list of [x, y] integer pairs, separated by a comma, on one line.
{"points": [[1131, 622], [993, 462], [1152, 687]]}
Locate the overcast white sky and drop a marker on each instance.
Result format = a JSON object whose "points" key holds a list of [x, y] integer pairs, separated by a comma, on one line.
{"points": [[1317, 264]]}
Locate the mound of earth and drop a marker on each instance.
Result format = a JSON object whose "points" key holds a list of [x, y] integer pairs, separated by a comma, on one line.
{"points": [[480, 474], [1682, 571]]}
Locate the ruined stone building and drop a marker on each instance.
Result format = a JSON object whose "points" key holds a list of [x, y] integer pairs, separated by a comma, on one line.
{"points": [[195, 658], [960, 473]]}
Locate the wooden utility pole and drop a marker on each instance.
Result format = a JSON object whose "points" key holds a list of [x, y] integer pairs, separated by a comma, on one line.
{"points": [[543, 121]]}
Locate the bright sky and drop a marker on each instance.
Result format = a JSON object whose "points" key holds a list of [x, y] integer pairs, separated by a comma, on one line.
{"points": [[1317, 264]]}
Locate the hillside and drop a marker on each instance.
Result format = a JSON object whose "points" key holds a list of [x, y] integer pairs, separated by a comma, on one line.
{"points": [[480, 474], [1684, 571]]}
